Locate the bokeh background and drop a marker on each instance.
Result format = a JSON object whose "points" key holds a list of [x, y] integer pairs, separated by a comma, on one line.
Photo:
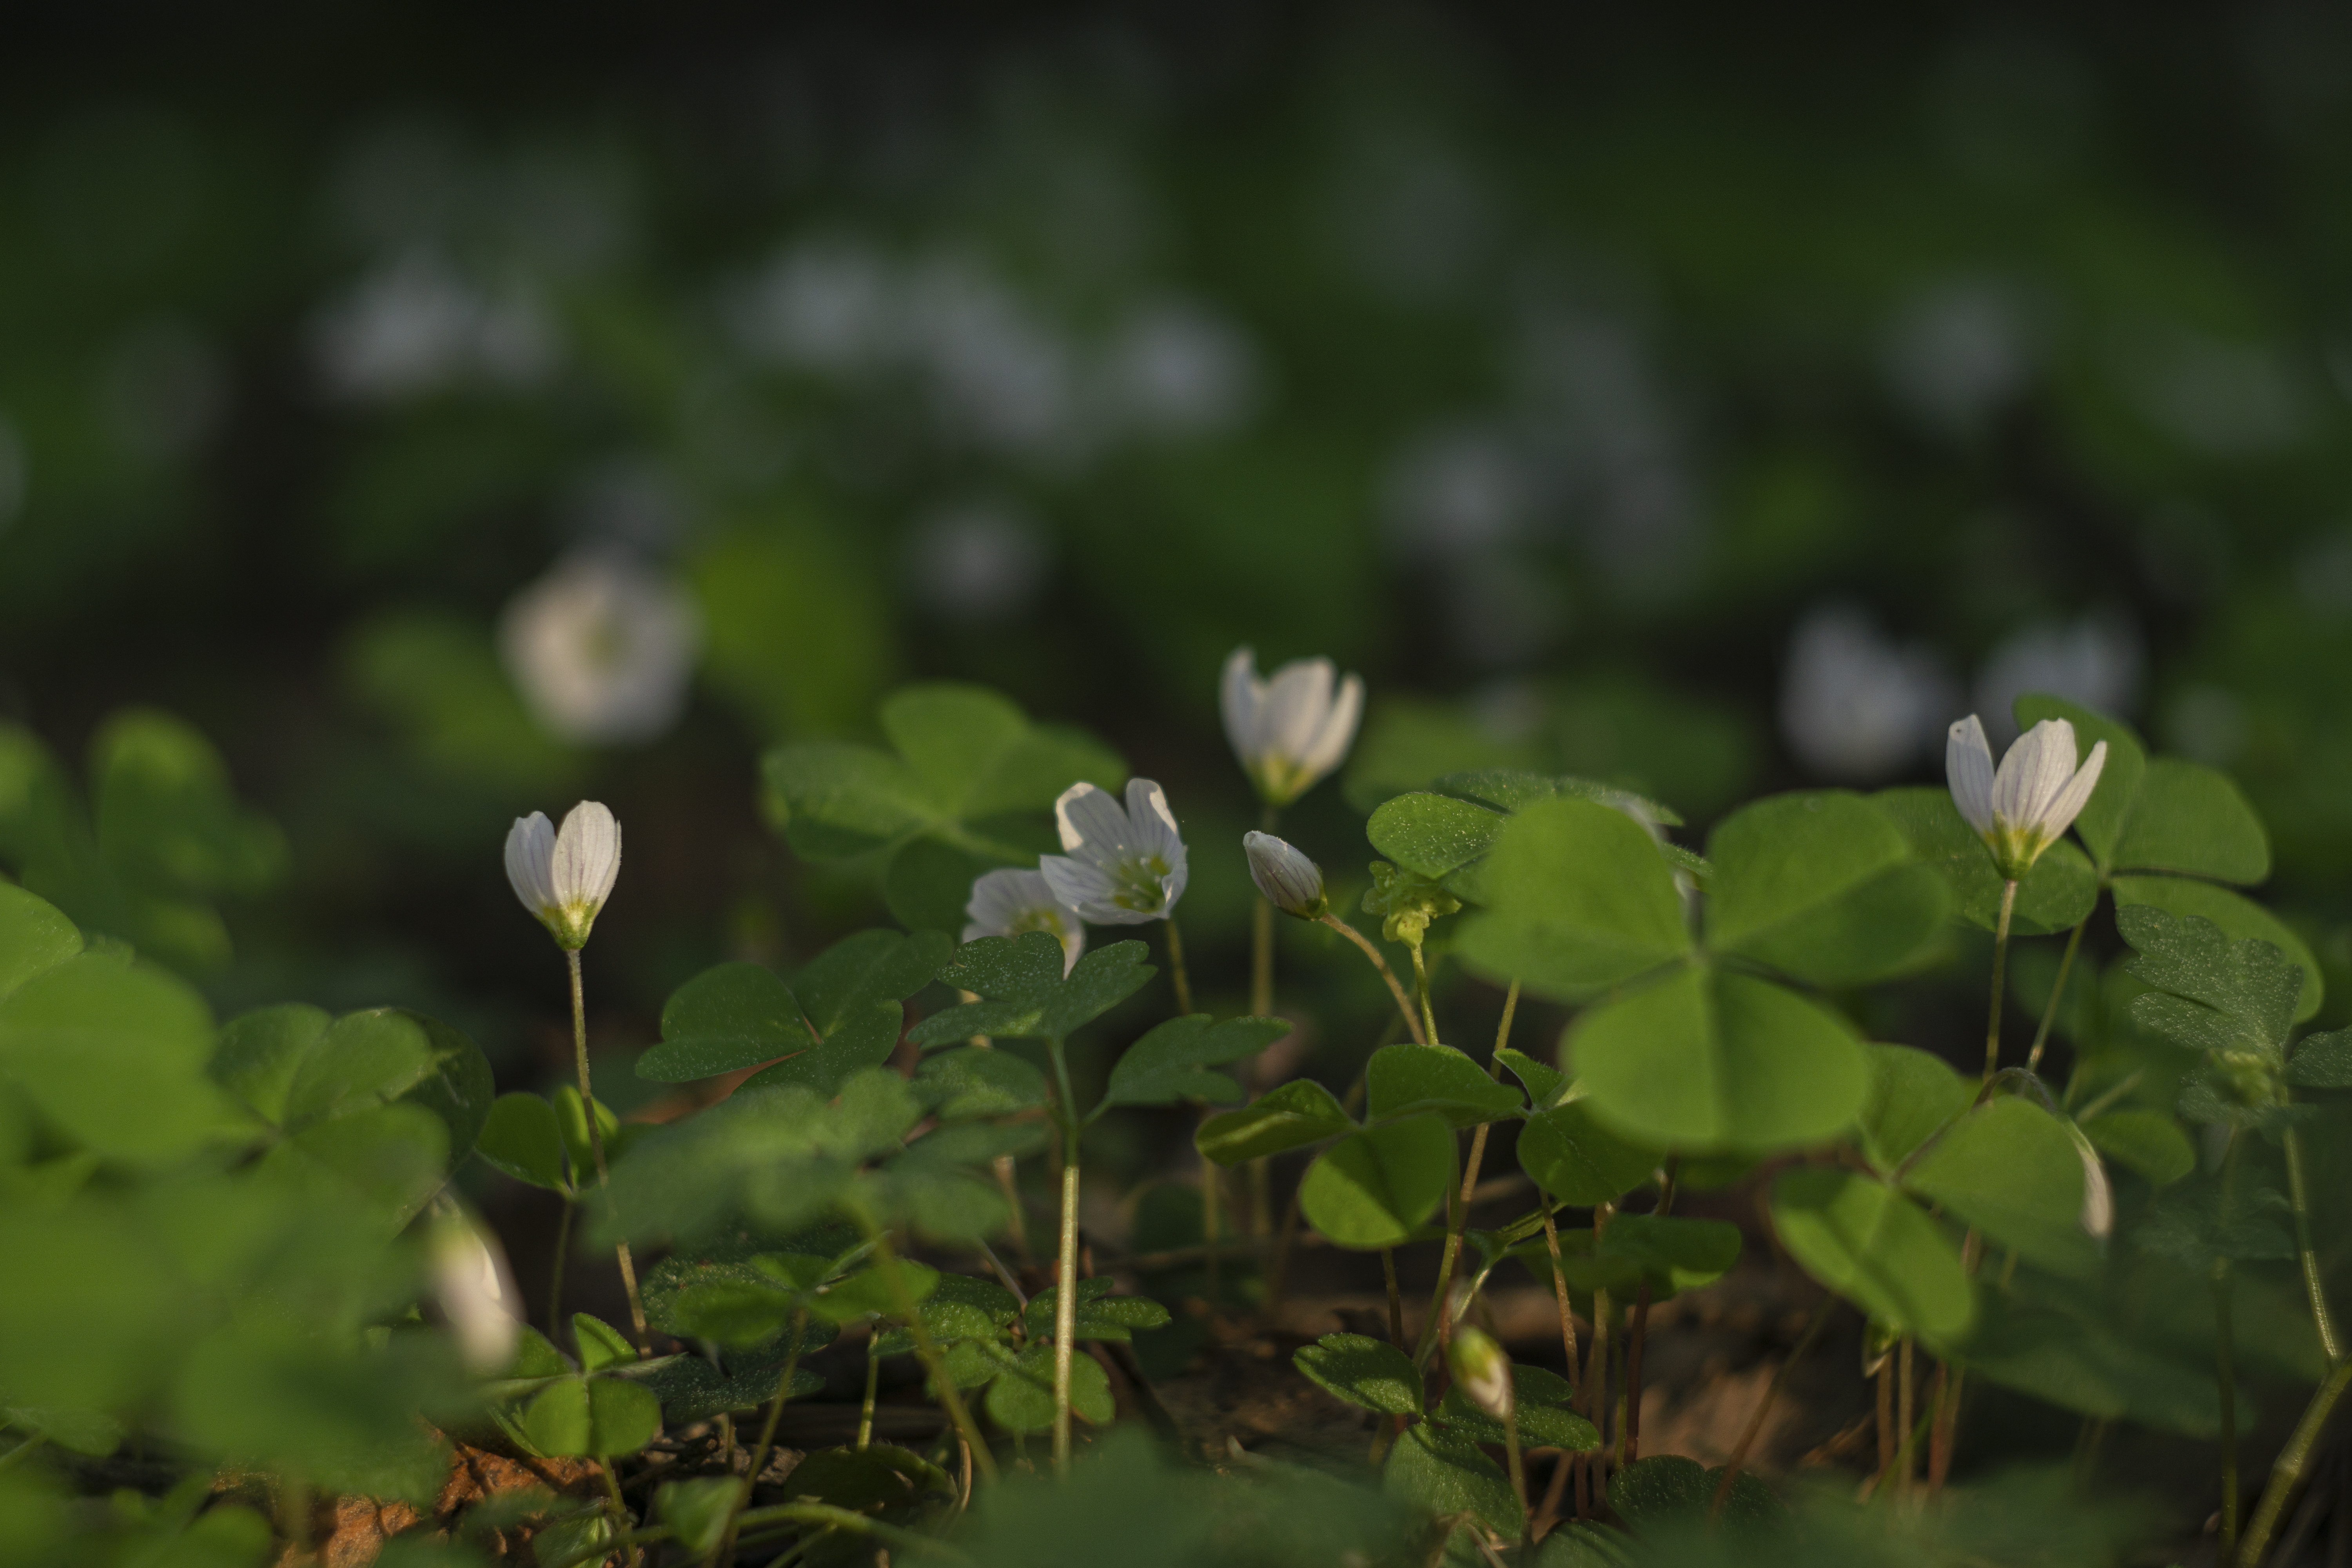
{"points": [[456, 412]]}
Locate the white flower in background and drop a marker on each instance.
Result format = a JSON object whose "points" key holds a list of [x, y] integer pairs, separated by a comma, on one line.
{"points": [[476, 1292], [2095, 661], [564, 878], [1854, 705], [1008, 903], [1291, 730], [417, 325], [1178, 369], [601, 648], [1959, 351], [1123, 867], [2098, 1216], [1290, 881], [977, 563], [2030, 803], [1482, 1371]]}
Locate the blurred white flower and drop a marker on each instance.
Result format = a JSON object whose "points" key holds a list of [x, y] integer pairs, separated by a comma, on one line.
{"points": [[1455, 491], [977, 563], [2029, 803], [830, 305], [564, 878], [2095, 661], [1001, 377], [1123, 867], [416, 325], [1958, 351], [1176, 368], [1853, 705], [1290, 881], [2098, 1217], [1292, 731], [601, 648], [1008, 903], [476, 1292]]}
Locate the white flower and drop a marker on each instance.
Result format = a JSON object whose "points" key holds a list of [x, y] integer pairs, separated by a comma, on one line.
{"points": [[564, 878], [1291, 730], [1854, 705], [476, 1292], [1290, 881], [2028, 805], [601, 648], [1482, 1371], [1124, 868], [1008, 903]]}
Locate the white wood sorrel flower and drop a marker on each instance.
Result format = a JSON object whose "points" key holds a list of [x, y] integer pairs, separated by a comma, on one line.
{"points": [[1123, 867], [1008, 903], [476, 1292], [2030, 803], [1290, 881], [564, 878], [1291, 730]]}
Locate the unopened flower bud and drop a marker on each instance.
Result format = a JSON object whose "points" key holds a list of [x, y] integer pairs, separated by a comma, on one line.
{"points": [[1482, 1371], [477, 1293], [1290, 881]]}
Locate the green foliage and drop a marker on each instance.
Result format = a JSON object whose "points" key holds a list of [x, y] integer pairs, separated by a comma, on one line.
{"points": [[1540, 1400], [1025, 995], [1654, 1494], [1438, 1472], [1405, 1080], [1020, 1397], [2055, 896], [1578, 902], [1669, 1254], [962, 790], [975, 1082], [1300, 1112], [1366, 1371], [2238, 919], [2159, 814], [1171, 1061], [1877, 1248], [1098, 1315], [2010, 1169], [1823, 886], [1913, 1096], [1708, 1059], [1378, 1188], [1572, 1157], [2234, 1003]]}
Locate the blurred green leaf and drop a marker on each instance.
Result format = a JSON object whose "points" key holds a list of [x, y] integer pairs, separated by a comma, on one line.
{"points": [[1579, 902], [2055, 896], [1912, 1095], [1876, 1247], [1370, 1372], [1025, 994], [1021, 1397], [115, 1054], [699, 1510], [261, 1052], [1438, 1473], [520, 1138], [2145, 1141], [1579, 1163], [973, 1082], [1378, 1188], [33, 937], [1823, 886], [1709, 1060], [2322, 1061], [793, 630], [1406, 1079], [2010, 1169], [729, 1017]]}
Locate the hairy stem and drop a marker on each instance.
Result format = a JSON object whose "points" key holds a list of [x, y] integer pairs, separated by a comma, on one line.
{"points": [[1262, 959], [2000, 966], [1519, 1470], [724, 1551], [1403, 1002], [1560, 1292], [596, 1141], [2057, 996], [1457, 1205], [1396, 1298], [2298, 1198], [1639, 1332], [865, 1409], [1177, 976]]}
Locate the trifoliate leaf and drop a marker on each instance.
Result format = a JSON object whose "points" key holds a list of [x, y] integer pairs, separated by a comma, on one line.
{"points": [[851, 993], [1362, 1370], [1378, 1188], [1301, 1112], [1024, 993], [1542, 1082], [1578, 902], [1406, 1079], [2055, 896], [1913, 1095], [971, 1082], [1171, 1062], [1021, 1399], [1821, 885], [1876, 1247], [1439, 1472], [1098, 1314], [1578, 1161], [2322, 1061], [2240, 920]]}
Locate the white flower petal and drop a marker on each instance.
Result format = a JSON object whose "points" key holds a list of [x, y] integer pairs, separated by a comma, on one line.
{"points": [[1290, 881], [1010, 902], [1091, 823], [2034, 772], [531, 860], [587, 856], [1330, 746], [1080, 885], [1968, 766], [2061, 813], [1298, 701], [1240, 695], [476, 1295]]}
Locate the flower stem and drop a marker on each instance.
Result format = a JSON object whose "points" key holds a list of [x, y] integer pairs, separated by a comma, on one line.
{"points": [[724, 1551], [2293, 1464], [2057, 996], [1176, 974], [1638, 1333], [1420, 985], [1212, 1229], [1518, 1475], [873, 1386], [1066, 1309], [1404, 1003], [1396, 1298], [1560, 1292], [2225, 1381], [1999, 964], [2298, 1198], [597, 1144], [902, 1301], [1457, 1205], [1905, 1406], [555, 1276]]}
